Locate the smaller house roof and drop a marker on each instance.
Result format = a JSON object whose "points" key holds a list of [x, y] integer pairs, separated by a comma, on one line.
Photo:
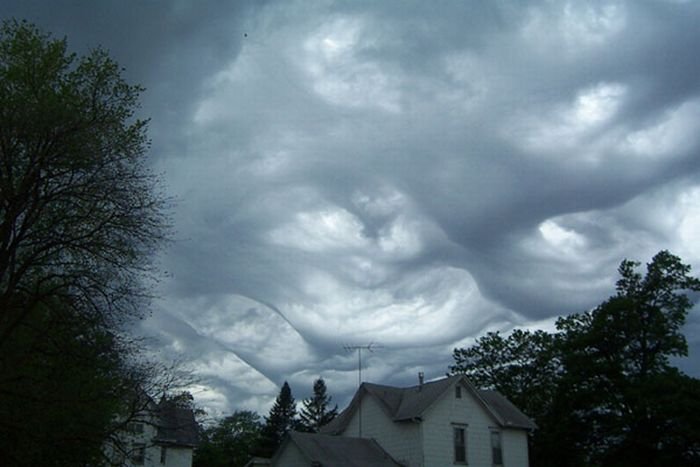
{"points": [[402, 404], [338, 451]]}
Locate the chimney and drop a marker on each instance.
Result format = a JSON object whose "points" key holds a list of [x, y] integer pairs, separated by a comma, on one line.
{"points": [[421, 378]]}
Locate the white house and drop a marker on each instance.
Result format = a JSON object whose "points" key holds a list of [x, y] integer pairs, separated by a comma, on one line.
{"points": [[434, 424], [160, 435]]}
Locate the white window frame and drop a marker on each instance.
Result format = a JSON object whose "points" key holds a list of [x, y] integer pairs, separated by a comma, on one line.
{"points": [[459, 450], [496, 440]]}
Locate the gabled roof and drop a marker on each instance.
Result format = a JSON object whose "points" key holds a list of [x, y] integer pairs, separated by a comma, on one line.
{"points": [[402, 404], [176, 425], [511, 416], [338, 451]]}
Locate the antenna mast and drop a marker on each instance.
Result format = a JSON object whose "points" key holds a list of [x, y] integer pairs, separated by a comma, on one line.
{"points": [[351, 348]]}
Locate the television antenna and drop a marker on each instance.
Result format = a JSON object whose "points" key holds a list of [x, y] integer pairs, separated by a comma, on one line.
{"points": [[369, 347], [351, 348]]}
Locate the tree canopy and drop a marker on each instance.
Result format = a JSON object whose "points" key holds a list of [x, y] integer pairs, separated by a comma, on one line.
{"points": [[230, 442], [80, 218], [80, 213], [602, 388]]}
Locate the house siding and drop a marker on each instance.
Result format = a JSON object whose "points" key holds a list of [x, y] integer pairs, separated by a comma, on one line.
{"points": [[176, 457], [401, 440], [515, 451], [448, 412], [439, 422], [427, 439]]}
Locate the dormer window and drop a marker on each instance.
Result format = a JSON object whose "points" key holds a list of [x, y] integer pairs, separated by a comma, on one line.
{"points": [[458, 392]]}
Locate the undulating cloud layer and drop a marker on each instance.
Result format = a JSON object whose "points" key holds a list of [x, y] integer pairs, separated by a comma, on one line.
{"points": [[400, 173]]}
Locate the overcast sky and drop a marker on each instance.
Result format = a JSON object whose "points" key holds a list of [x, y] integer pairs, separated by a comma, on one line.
{"points": [[408, 173]]}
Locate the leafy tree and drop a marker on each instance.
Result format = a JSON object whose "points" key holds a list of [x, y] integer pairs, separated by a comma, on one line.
{"points": [[230, 442], [314, 412], [617, 365], [80, 217], [280, 421], [522, 365], [58, 398], [602, 389], [80, 214]]}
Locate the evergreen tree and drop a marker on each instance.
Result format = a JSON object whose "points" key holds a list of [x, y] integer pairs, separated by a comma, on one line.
{"points": [[280, 421], [314, 413]]}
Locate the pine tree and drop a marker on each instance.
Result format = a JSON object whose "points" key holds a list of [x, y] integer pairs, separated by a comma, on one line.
{"points": [[314, 413], [280, 421]]}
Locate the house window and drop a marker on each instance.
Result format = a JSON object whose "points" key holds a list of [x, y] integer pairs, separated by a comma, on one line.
{"points": [[496, 448], [163, 454], [134, 428], [458, 392], [460, 444], [138, 453]]}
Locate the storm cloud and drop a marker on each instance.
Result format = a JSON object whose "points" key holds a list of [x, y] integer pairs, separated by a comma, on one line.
{"points": [[402, 173]]}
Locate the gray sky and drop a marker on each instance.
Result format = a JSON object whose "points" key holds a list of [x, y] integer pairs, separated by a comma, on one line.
{"points": [[408, 173]]}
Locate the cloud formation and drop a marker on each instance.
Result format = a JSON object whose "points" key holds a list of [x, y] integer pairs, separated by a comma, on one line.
{"points": [[393, 172]]}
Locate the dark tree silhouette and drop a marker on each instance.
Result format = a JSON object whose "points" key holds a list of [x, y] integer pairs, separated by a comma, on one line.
{"points": [[80, 217], [315, 410], [280, 421], [230, 442], [602, 389]]}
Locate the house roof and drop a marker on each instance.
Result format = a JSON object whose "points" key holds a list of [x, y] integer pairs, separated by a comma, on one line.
{"points": [[402, 404], [176, 425], [511, 416], [338, 451]]}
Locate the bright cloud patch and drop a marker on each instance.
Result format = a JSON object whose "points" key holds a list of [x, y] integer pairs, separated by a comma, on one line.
{"points": [[675, 132], [434, 302], [573, 125], [321, 230], [561, 238], [341, 74]]}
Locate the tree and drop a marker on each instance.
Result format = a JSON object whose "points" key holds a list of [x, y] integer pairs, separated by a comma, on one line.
{"points": [[522, 365], [617, 365], [80, 214], [314, 412], [57, 401], [602, 389], [80, 218], [280, 421], [230, 442]]}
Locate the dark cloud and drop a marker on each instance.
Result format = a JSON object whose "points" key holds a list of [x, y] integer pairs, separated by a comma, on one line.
{"points": [[350, 172]]}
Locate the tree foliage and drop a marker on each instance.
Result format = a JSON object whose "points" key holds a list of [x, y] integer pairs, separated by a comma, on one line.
{"points": [[522, 365], [230, 442], [281, 420], [602, 388], [315, 411], [80, 218], [80, 213]]}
